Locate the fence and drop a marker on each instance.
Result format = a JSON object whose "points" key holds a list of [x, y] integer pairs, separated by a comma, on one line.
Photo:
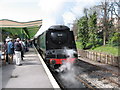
{"points": [[100, 57]]}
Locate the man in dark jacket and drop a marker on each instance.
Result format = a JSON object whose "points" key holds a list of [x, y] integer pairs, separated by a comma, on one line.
{"points": [[6, 49], [18, 48]]}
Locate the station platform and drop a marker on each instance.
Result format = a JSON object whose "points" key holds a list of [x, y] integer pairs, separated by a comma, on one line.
{"points": [[33, 73]]}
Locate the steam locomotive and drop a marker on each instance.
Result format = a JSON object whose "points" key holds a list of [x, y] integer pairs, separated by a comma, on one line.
{"points": [[57, 46]]}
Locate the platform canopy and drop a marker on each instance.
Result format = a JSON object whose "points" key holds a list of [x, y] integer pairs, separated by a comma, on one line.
{"points": [[19, 29]]}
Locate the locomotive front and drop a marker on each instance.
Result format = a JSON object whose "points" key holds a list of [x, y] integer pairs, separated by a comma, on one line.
{"points": [[60, 46]]}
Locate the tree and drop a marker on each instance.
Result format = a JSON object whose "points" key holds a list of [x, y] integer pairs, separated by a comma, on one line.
{"points": [[105, 22], [75, 29], [92, 24], [109, 11], [115, 39], [83, 33]]}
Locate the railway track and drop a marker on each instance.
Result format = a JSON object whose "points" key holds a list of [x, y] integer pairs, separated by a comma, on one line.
{"points": [[109, 78], [100, 73], [86, 83], [88, 76], [83, 84]]}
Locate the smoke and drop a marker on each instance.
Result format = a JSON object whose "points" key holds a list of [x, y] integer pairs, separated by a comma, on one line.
{"points": [[67, 65], [62, 12], [70, 70]]}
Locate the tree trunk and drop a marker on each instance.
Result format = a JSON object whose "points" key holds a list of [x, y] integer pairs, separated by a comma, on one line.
{"points": [[104, 37], [105, 24]]}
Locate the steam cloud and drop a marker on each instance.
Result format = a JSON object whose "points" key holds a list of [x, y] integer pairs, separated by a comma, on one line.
{"points": [[68, 64], [70, 70], [62, 11]]}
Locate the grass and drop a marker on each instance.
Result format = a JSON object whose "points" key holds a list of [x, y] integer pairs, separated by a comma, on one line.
{"points": [[78, 45], [107, 49]]}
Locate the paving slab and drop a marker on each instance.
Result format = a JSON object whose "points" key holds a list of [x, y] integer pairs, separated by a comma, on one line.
{"points": [[30, 75]]}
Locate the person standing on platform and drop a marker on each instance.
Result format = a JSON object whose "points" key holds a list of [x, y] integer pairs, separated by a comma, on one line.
{"points": [[18, 49], [6, 49], [10, 51], [22, 51]]}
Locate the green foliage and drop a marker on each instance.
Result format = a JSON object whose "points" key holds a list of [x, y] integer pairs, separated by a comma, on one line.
{"points": [[12, 32], [20, 32], [92, 24], [83, 34], [107, 49], [79, 45], [92, 36], [115, 39], [32, 31], [87, 33]]}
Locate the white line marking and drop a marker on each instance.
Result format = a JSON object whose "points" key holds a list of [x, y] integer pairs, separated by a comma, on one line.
{"points": [[51, 78]]}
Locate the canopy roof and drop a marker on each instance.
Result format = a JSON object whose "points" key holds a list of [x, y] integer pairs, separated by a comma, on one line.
{"points": [[18, 28], [11, 23]]}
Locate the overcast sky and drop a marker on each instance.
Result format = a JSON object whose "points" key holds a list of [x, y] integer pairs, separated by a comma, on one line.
{"points": [[27, 10], [50, 11]]}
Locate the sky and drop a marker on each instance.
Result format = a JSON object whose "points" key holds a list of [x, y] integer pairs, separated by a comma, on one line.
{"points": [[50, 11]]}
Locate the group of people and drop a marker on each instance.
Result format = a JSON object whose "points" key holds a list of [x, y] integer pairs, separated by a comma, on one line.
{"points": [[15, 48]]}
